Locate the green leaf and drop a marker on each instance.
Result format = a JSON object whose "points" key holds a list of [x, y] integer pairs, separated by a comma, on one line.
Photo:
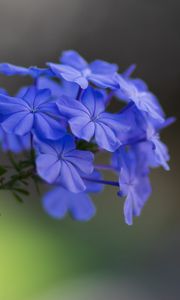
{"points": [[21, 191], [83, 145], [2, 170], [18, 198]]}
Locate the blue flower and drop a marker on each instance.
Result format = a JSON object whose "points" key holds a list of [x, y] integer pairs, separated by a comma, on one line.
{"points": [[34, 112], [88, 120], [60, 162], [134, 184], [11, 70], [58, 202], [75, 69], [145, 101], [159, 149]]}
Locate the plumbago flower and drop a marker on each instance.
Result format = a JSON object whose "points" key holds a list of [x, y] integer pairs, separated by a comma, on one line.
{"points": [[33, 112], [52, 131], [87, 119], [60, 162]]}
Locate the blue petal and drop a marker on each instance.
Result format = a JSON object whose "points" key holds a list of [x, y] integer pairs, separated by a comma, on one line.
{"points": [[114, 121], [73, 59], [82, 127], [93, 187], [55, 203], [48, 167], [10, 105], [70, 179], [83, 160], [42, 96], [103, 81], [10, 70], [3, 91], [94, 101], [103, 67], [59, 202], [30, 95], [47, 127], [82, 207], [46, 83], [106, 138], [145, 101], [128, 210], [161, 153], [19, 123], [72, 108]]}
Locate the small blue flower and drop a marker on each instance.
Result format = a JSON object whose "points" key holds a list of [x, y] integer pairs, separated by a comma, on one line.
{"points": [[134, 185], [74, 68], [58, 202], [145, 101], [60, 162], [88, 120], [160, 151], [34, 112], [11, 70]]}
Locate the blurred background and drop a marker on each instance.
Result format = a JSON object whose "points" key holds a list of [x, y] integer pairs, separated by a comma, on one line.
{"points": [[41, 258]]}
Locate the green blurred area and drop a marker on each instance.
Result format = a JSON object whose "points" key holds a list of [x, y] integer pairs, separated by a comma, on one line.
{"points": [[37, 252]]}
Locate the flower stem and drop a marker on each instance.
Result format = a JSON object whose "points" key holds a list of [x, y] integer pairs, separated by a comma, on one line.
{"points": [[107, 182], [79, 93]]}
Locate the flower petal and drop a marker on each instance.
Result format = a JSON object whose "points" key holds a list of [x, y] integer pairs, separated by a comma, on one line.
{"points": [[82, 127], [48, 167], [83, 160], [19, 123], [47, 127], [106, 138], [70, 178], [73, 59]]}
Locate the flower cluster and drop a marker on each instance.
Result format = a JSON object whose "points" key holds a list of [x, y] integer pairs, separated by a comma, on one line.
{"points": [[64, 119]]}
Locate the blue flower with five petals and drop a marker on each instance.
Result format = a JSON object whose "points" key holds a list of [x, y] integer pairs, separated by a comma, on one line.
{"points": [[134, 183], [33, 112], [88, 120], [145, 101], [60, 162]]}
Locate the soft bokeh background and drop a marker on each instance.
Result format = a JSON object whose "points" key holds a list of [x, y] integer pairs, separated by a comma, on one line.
{"points": [[104, 259]]}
